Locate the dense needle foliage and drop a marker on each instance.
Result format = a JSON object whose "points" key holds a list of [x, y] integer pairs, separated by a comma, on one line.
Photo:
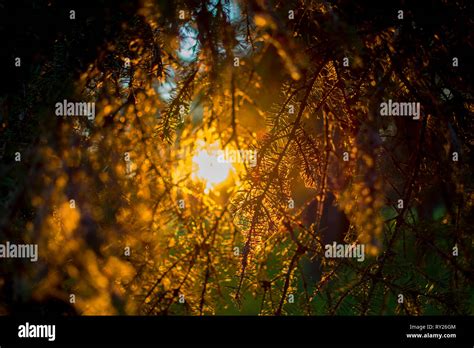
{"points": [[172, 80]]}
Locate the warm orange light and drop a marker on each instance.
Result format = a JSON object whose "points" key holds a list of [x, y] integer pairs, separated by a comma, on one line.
{"points": [[208, 166]]}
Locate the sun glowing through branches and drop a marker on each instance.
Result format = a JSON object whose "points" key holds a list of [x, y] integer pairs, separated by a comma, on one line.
{"points": [[208, 167]]}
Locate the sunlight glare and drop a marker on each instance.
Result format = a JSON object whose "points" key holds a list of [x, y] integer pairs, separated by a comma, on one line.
{"points": [[209, 168]]}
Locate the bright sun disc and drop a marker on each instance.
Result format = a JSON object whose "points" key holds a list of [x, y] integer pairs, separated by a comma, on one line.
{"points": [[209, 168]]}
